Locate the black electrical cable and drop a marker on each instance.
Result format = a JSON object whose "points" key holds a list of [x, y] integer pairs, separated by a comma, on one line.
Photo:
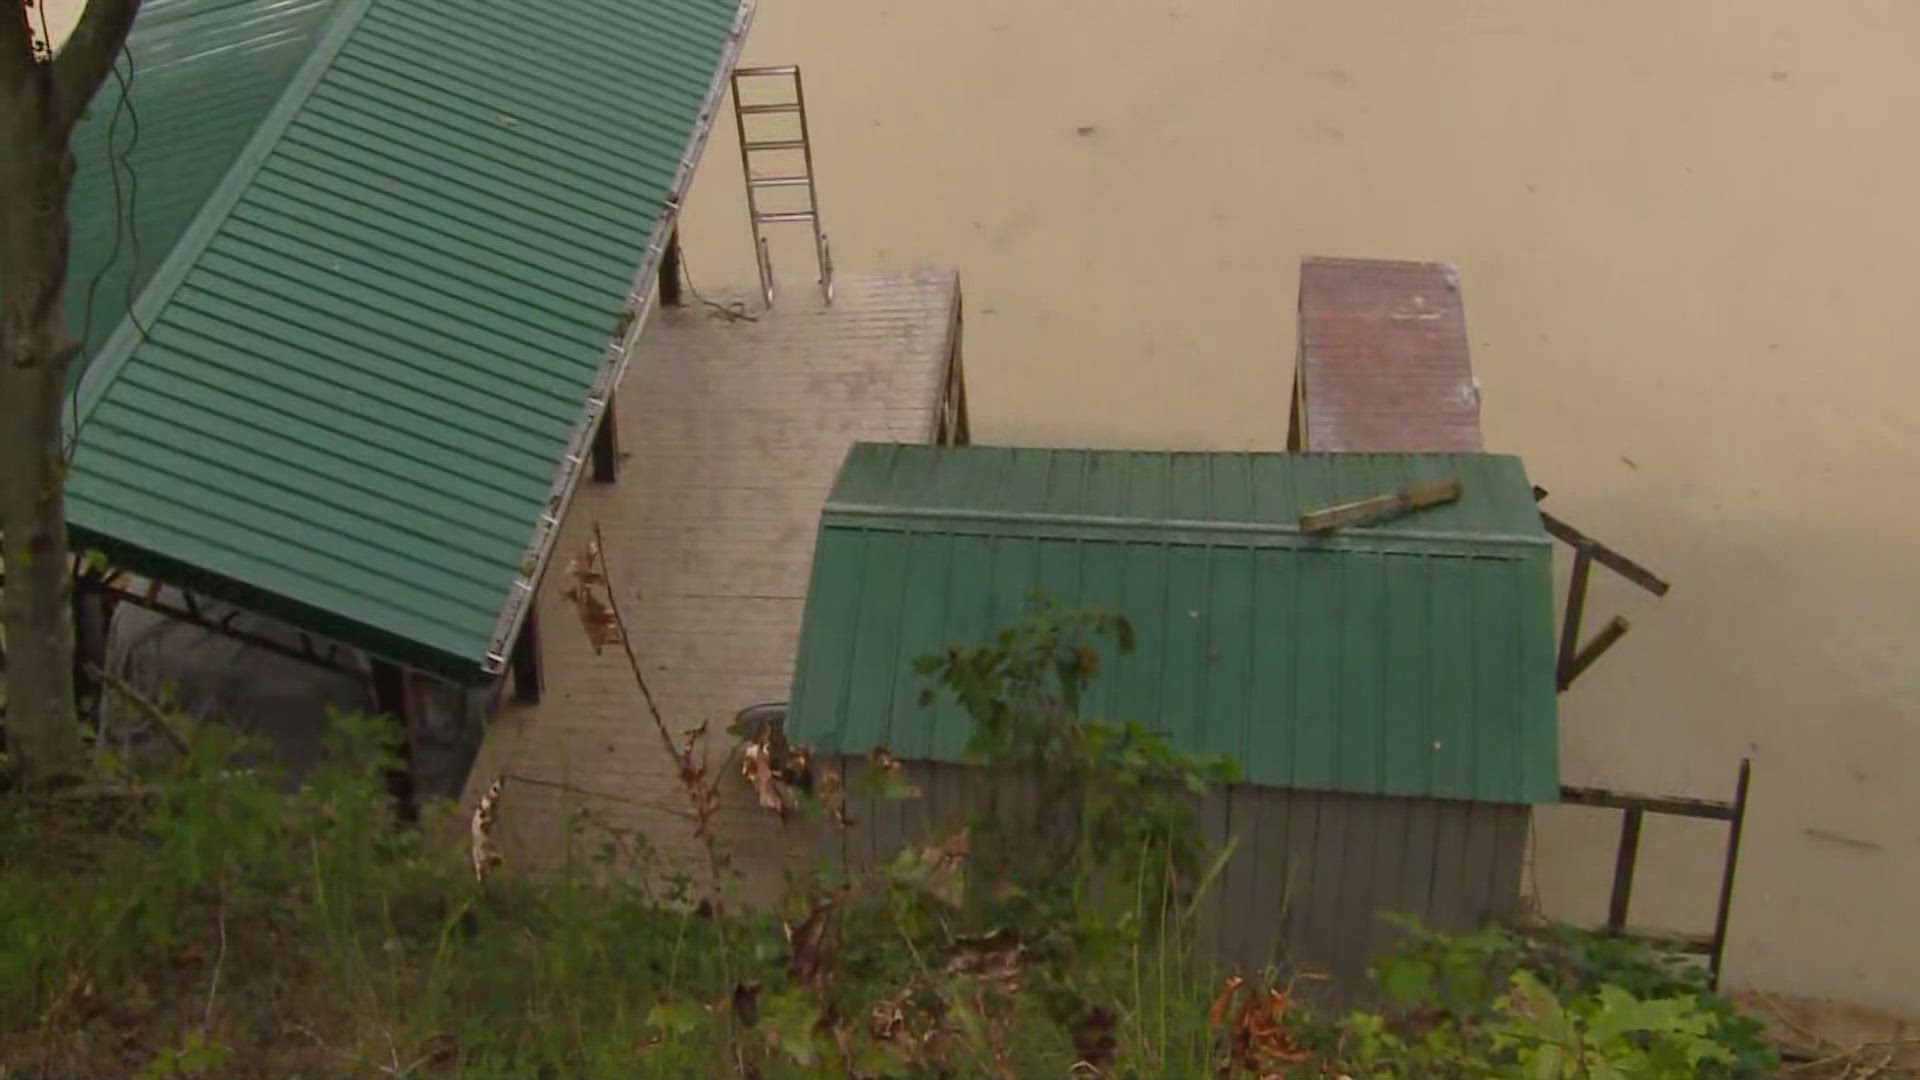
{"points": [[125, 220]]}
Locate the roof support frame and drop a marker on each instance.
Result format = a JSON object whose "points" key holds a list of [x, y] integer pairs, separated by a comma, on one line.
{"points": [[192, 615]]}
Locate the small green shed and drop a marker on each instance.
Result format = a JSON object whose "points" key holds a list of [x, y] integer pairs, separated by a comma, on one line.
{"points": [[1388, 691]]}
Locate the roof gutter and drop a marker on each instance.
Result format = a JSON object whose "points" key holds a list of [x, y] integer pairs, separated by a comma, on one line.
{"points": [[639, 305]]}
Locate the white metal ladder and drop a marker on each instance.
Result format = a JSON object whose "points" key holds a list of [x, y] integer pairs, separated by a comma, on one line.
{"points": [[777, 145]]}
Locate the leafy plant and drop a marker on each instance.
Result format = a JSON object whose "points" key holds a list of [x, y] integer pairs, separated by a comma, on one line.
{"points": [[1554, 1002], [1084, 834]]}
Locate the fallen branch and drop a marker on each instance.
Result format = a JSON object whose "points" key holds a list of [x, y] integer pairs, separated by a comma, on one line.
{"points": [[141, 702]]}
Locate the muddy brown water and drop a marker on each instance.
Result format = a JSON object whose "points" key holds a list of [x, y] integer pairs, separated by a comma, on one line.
{"points": [[1687, 236]]}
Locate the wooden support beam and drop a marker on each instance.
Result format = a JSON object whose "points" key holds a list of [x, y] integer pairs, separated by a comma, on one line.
{"points": [[1727, 871], [1625, 858], [670, 271], [529, 678], [1677, 805], [952, 410], [1570, 619], [1602, 554], [190, 613], [390, 697], [606, 446], [1593, 650], [1380, 508]]}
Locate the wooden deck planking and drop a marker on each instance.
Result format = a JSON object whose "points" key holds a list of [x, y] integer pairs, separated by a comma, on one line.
{"points": [[731, 433]]}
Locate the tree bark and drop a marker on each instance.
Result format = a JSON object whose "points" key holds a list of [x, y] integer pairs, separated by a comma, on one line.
{"points": [[40, 102], [43, 735]]}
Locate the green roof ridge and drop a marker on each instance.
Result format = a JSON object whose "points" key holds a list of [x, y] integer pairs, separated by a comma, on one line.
{"points": [[213, 213]]}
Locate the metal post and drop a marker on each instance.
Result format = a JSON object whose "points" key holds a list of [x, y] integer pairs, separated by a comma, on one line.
{"points": [[670, 271], [1623, 863], [1727, 872], [390, 697], [529, 679], [606, 446], [1576, 606]]}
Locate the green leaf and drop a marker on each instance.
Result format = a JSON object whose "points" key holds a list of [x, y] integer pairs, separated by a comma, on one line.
{"points": [[1405, 981], [678, 1017], [893, 784], [884, 1059], [790, 1020]]}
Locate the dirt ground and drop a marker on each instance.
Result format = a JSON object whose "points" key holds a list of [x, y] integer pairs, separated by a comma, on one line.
{"points": [[1686, 235]]}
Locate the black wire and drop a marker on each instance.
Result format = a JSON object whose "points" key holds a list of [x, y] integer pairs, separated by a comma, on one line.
{"points": [[133, 192], [125, 219], [44, 47], [113, 255], [732, 311]]}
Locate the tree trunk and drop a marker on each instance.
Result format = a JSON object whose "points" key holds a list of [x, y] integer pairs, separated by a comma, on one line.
{"points": [[43, 734]]}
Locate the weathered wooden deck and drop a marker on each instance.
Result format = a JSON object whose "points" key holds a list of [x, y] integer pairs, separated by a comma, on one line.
{"points": [[730, 433]]}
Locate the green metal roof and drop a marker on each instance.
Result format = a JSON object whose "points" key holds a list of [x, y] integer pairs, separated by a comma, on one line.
{"points": [[358, 389], [199, 76], [1410, 658]]}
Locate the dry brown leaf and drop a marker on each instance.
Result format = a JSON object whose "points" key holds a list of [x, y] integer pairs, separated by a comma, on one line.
{"points": [[992, 958], [1217, 1013], [486, 854], [887, 1021], [690, 741], [939, 869], [1259, 1042], [810, 945], [597, 616], [756, 766], [833, 796]]}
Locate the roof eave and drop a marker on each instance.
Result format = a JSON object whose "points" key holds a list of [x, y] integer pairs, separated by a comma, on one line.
{"points": [[639, 303]]}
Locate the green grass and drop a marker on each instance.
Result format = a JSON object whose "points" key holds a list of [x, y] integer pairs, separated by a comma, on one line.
{"points": [[194, 921], [208, 925]]}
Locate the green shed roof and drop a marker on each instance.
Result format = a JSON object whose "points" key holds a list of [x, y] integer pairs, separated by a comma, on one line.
{"points": [[1412, 658], [356, 392]]}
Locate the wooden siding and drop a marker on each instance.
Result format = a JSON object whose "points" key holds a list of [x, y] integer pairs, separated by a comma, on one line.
{"points": [[1308, 878]]}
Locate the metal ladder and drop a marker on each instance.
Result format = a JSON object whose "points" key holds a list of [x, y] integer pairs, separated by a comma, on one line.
{"points": [[760, 181]]}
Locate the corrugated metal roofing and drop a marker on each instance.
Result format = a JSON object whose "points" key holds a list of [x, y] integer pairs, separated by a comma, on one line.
{"points": [[199, 75], [1383, 358], [372, 361], [1411, 658]]}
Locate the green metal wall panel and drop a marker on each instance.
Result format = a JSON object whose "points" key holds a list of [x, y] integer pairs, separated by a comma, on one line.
{"points": [[362, 380], [1412, 658]]}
